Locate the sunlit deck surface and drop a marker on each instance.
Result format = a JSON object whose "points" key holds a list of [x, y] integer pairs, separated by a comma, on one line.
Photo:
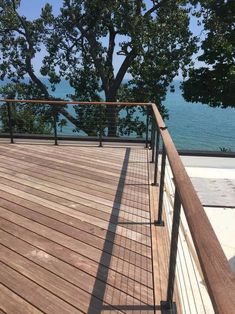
{"points": [[75, 229]]}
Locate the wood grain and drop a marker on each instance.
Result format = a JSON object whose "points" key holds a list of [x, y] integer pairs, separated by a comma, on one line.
{"points": [[60, 102], [76, 234]]}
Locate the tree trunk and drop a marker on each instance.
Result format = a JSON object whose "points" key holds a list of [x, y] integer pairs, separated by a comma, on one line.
{"points": [[112, 116]]}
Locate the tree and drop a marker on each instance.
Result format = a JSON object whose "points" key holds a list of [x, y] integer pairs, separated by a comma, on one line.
{"points": [[82, 43], [26, 118], [214, 84], [20, 41]]}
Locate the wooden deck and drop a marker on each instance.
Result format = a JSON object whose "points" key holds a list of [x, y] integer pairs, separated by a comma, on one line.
{"points": [[75, 230]]}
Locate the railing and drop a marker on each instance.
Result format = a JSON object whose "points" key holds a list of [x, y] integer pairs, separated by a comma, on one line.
{"points": [[219, 279], [102, 115]]}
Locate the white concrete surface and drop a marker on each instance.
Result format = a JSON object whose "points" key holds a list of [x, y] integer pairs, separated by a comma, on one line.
{"points": [[214, 180]]}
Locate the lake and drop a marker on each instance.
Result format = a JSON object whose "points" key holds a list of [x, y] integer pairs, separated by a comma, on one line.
{"points": [[192, 126]]}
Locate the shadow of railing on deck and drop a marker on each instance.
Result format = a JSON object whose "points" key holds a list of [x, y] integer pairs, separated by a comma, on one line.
{"points": [[105, 258], [113, 223]]}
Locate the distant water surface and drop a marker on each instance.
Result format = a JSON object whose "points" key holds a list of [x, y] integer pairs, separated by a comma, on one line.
{"points": [[198, 126], [191, 125]]}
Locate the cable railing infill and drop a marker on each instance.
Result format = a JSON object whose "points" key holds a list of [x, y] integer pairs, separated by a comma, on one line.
{"points": [[219, 278], [99, 122]]}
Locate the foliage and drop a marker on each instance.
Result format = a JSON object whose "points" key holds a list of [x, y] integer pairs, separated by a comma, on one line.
{"points": [[152, 42], [151, 39], [214, 84], [225, 150], [26, 118]]}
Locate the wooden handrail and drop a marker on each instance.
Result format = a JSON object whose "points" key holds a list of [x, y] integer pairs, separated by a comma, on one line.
{"points": [[63, 102], [218, 275]]}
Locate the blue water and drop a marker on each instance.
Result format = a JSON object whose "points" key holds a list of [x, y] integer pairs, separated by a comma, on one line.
{"points": [[198, 126], [191, 125]]}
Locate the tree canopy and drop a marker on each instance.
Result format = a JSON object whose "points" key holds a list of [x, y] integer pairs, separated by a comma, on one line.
{"points": [[151, 39], [214, 83]]}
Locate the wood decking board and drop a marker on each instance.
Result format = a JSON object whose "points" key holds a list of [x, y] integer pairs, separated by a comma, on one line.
{"points": [[124, 220], [108, 176], [60, 286], [89, 155], [83, 177], [71, 188], [82, 269], [11, 152], [33, 293], [89, 163], [116, 228], [10, 302], [63, 194], [79, 247], [81, 184], [75, 234], [82, 226], [122, 252]]}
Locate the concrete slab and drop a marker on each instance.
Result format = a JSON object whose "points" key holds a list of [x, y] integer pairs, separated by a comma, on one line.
{"points": [[215, 192], [209, 162]]}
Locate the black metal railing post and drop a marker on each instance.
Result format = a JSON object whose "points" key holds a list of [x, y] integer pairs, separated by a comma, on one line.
{"points": [[160, 222], [169, 304], [10, 122], [153, 137], [156, 157], [55, 117], [147, 128], [101, 128]]}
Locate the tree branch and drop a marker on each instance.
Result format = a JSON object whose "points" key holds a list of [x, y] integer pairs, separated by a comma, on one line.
{"points": [[7, 30], [28, 57], [97, 61], [30, 71], [123, 69], [112, 35], [34, 78], [23, 24], [155, 7], [93, 44]]}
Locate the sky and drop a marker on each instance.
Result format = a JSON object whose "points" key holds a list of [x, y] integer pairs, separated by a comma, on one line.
{"points": [[32, 9]]}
